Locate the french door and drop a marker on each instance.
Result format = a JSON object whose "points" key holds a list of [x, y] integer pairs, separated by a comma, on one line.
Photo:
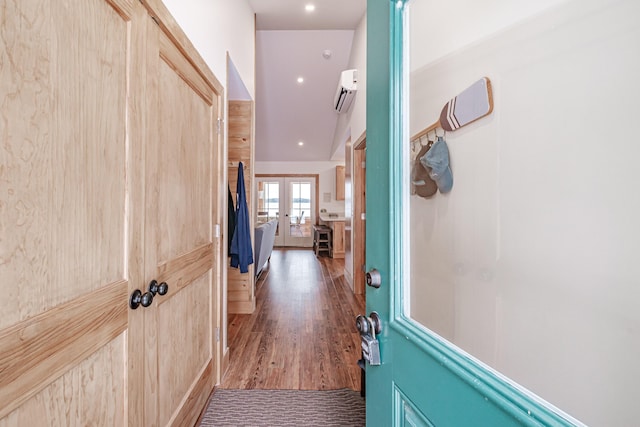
{"points": [[292, 202]]}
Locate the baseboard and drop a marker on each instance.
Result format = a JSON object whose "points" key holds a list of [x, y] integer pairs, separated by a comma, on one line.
{"points": [[242, 307], [225, 364], [349, 278]]}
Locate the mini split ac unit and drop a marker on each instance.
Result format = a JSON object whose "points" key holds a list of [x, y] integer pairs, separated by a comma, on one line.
{"points": [[347, 87]]}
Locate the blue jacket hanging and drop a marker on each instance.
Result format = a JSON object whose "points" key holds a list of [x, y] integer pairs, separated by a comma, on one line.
{"points": [[241, 250]]}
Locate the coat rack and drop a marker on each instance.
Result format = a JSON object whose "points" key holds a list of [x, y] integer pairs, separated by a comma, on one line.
{"points": [[471, 104]]}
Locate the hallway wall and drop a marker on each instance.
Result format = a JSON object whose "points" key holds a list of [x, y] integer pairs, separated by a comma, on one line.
{"points": [[217, 26], [353, 123]]}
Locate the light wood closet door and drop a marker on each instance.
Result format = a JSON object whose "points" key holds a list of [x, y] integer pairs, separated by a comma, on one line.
{"points": [[69, 116], [179, 238]]}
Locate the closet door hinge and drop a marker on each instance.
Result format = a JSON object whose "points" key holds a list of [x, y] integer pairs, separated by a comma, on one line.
{"points": [[219, 125], [217, 334]]}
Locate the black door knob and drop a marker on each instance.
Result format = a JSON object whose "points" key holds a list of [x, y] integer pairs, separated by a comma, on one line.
{"points": [[137, 299], [163, 288], [156, 288]]}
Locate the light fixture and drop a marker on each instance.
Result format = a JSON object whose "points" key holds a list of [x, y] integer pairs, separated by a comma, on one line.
{"points": [[300, 79], [300, 143], [310, 7]]}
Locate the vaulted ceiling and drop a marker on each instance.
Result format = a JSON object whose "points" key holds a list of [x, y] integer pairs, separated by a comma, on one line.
{"points": [[293, 43]]}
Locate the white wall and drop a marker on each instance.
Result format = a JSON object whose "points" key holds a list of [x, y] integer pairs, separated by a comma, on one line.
{"points": [[459, 23], [353, 123], [325, 170], [217, 26], [531, 262]]}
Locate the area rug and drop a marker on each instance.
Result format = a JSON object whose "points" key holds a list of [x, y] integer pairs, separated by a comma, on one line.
{"points": [[235, 408]]}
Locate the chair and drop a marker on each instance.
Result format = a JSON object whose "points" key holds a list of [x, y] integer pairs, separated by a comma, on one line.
{"points": [[322, 240], [299, 219]]}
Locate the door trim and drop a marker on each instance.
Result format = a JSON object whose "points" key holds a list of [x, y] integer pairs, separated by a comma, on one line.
{"points": [[516, 402], [359, 208]]}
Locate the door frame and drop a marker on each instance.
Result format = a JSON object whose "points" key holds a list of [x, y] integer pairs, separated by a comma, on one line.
{"points": [[359, 180], [295, 175], [423, 379]]}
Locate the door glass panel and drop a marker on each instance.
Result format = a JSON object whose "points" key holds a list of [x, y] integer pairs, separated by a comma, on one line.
{"points": [[268, 202], [529, 262], [300, 209]]}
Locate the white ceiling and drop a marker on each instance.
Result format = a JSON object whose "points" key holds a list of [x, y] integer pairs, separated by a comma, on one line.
{"points": [[291, 14], [289, 44]]}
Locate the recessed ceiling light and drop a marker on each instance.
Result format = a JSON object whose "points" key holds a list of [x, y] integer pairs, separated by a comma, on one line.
{"points": [[300, 143], [300, 79], [310, 7]]}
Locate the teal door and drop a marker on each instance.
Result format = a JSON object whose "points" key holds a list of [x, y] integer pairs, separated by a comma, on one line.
{"points": [[423, 380]]}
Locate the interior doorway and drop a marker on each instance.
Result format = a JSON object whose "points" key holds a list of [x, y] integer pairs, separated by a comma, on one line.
{"points": [[291, 200]]}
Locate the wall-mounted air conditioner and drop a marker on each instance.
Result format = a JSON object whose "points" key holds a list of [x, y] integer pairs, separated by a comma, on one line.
{"points": [[347, 87]]}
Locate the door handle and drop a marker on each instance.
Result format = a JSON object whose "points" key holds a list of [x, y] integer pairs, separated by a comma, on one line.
{"points": [[368, 328], [160, 289], [138, 298], [369, 325]]}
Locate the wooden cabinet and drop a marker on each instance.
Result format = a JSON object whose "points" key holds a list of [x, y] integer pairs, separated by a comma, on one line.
{"points": [[339, 182], [112, 177], [338, 238]]}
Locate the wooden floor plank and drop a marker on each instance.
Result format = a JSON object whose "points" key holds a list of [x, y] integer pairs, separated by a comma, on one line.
{"points": [[302, 334]]}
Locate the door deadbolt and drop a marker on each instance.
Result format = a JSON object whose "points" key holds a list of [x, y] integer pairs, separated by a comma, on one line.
{"points": [[374, 279]]}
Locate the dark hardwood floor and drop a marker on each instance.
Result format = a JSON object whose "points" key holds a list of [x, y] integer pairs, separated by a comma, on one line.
{"points": [[302, 334]]}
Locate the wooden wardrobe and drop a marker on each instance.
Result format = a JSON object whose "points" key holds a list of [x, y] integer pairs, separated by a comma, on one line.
{"points": [[111, 169]]}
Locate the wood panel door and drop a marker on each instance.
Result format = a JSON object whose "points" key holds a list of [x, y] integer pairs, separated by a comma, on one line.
{"points": [[70, 132], [181, 249]]}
